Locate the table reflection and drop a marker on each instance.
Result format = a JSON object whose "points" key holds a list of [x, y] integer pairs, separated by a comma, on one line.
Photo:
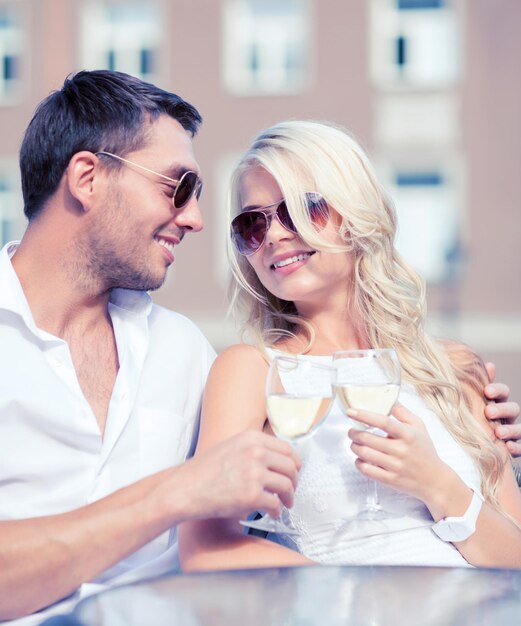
{"points": [[368, 596]]}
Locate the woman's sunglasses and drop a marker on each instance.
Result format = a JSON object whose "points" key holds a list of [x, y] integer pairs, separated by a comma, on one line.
{"points": [[249, 229], [187, 186]]}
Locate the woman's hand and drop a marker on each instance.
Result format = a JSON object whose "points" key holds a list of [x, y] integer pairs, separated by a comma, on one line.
{"points": [[406, 459]]}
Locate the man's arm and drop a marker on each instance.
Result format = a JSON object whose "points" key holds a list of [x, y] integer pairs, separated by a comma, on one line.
{"points": [[503, 412], [45, 559]]}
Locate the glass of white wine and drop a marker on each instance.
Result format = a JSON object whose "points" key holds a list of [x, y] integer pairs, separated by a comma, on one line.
{"points": [[368, 380], [299, 394]]}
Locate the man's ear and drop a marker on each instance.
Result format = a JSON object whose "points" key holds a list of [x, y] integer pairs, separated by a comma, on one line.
{"points": [[80, 176]]}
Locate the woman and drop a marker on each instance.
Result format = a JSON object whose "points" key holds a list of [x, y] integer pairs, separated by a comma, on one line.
{"points": [[312, 249]]}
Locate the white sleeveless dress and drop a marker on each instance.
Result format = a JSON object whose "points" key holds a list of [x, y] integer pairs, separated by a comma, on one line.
{"points": [[331, 490]]}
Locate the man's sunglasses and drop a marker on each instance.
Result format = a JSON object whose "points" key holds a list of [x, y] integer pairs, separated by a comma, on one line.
{"points": [[188, 185], [249, 228]]}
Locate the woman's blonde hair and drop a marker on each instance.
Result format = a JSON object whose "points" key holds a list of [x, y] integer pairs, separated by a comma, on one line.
{"points": [[385, 292]]}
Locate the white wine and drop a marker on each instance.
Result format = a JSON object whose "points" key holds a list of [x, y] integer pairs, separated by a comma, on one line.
{"points": [[374, 398], [292, 417]]}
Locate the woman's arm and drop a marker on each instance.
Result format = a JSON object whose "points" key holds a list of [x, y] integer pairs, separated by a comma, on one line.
{"points": [[407, 461], [233, 402], [497, 540]]}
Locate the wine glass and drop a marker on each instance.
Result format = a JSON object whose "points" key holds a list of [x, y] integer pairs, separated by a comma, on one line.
{"points": [[368, 380], [299, 395]]}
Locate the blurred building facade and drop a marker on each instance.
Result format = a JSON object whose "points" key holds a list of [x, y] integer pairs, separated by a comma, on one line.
{"points": [[430, 88]]}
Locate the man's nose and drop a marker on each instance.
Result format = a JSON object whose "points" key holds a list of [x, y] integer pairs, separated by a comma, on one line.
{"points": [[189, 217]]}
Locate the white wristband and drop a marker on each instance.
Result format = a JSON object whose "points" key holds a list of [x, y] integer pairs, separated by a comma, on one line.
{"points": [[460, 528]]}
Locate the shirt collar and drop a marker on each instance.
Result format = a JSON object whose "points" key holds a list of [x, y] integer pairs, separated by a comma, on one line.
{"points": [[132, 301], [12, 297]]}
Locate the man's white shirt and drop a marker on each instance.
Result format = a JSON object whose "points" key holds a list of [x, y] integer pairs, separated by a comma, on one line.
{"points": [[53, 458]]}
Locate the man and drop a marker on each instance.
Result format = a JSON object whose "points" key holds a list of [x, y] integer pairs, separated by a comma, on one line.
{"points": [[99, 389]]}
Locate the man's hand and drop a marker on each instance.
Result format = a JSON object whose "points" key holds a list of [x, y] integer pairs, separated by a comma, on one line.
{"points": [[47, 558], [502, 410], [248, 472]]}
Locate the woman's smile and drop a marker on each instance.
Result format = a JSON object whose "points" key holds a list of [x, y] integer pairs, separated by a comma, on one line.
{"points": [[290, 261]]}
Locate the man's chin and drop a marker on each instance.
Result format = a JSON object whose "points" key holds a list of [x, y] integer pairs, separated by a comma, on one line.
{"points": [[155, 286], [148, 283]]}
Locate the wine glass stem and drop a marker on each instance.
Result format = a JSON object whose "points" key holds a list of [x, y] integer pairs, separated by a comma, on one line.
{"points": [[273, 521], [372, 501]]}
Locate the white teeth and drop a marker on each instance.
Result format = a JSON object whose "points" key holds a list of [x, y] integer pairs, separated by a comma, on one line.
{"points": [[166, 244], [292, 259]]}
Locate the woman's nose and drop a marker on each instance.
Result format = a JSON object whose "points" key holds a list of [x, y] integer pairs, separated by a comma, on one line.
{"points": [[277, 232]]}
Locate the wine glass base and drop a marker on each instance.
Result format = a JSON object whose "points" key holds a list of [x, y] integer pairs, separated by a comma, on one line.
{"points": [[270, 525], [359, 528], [375, 514]]}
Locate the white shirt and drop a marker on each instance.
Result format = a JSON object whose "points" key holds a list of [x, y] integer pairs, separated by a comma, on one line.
{"points": [[53, 457]]}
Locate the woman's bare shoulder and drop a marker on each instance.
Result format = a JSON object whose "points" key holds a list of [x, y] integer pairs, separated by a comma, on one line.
{"points": [[242, 354]]}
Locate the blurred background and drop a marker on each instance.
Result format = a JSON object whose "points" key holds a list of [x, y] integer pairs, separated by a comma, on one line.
{"points": [[431, 89]]}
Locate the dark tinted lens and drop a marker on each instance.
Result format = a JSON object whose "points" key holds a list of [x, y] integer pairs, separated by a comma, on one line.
{"points": [[285, 218], [185, 189], [249, 231], [318, 209]]}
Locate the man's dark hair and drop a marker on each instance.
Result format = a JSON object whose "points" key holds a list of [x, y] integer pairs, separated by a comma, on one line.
{"points": [[94, 110]]}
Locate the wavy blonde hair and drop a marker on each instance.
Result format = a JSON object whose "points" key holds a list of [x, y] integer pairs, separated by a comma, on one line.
{"points": [[384, 290]]}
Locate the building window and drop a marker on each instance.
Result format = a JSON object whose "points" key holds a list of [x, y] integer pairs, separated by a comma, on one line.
{"points": [[266, 46], [429, 224], [420, 4], [11, 46], [123, 37], [415, 43], [12, 221]]}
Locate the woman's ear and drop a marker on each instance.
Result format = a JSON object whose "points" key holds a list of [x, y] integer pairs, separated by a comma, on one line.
{"points": [[80, 177]]}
